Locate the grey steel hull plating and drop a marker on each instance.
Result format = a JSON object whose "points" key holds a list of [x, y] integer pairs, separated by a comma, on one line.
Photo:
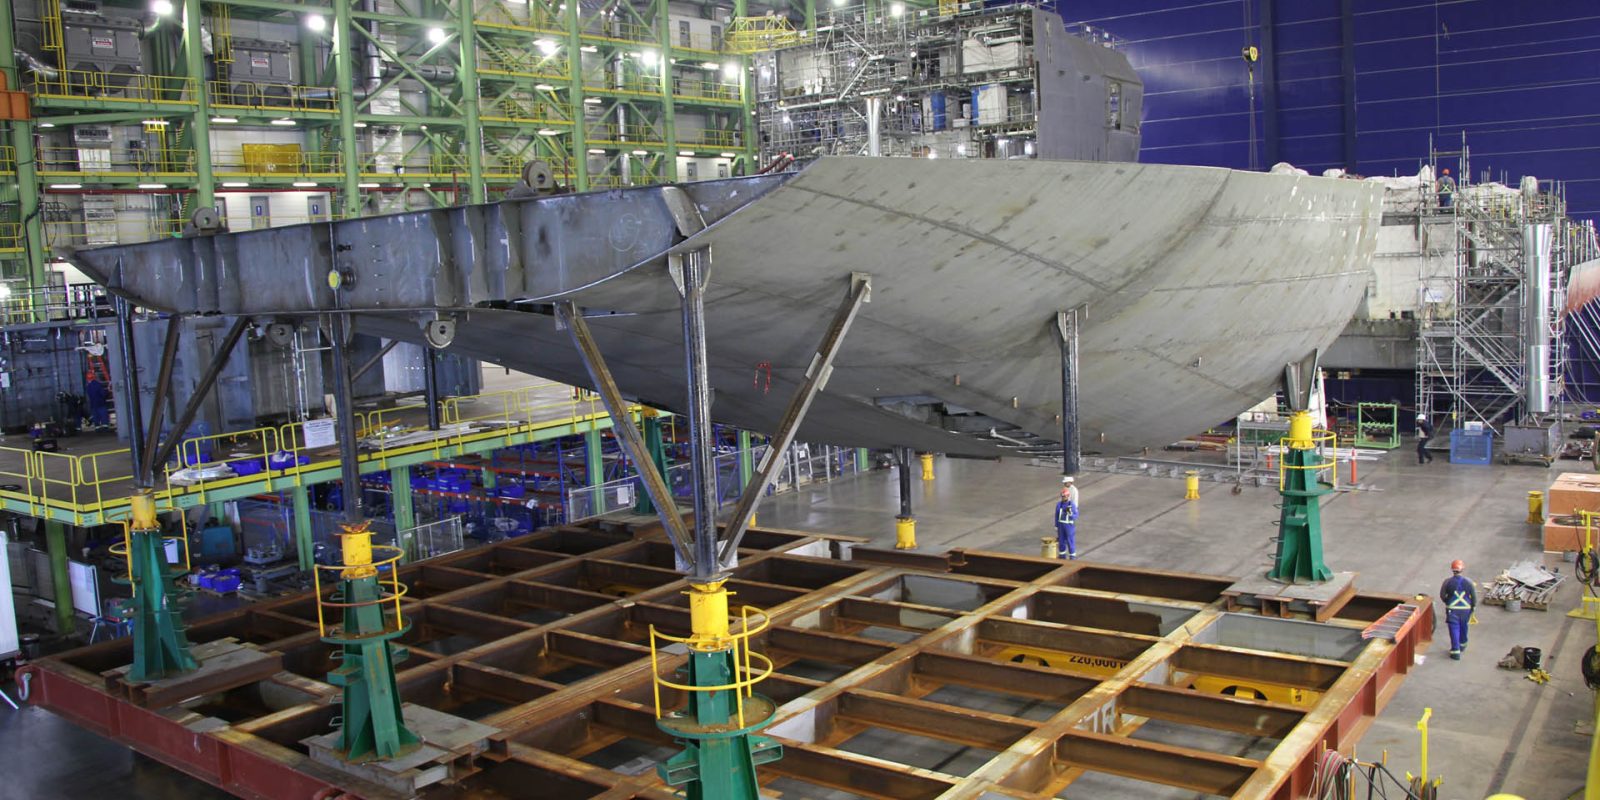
{"points": [[1199, 284]]}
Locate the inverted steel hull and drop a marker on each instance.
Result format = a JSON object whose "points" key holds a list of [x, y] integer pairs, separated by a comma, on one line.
{"points": [[1198, 285]]}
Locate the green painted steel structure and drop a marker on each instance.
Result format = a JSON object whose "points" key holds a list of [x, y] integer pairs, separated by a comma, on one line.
{"points": [[1299, 556], [160, 647]]}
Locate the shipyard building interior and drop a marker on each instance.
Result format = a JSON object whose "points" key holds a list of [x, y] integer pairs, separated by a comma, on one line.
{"points": [[808, 400]]}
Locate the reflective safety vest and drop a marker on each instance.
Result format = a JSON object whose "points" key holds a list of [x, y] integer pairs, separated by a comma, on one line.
{"points": [[1066, 513], [1460, 594]]}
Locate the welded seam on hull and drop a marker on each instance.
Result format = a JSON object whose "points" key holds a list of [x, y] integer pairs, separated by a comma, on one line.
{"points": [[1264, 281]]}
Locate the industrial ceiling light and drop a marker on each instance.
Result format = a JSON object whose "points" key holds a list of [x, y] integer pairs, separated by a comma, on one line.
{"points": [[648, 58], [544, 87], [711, 65], [730, 155], [223, 120], [152, 186], [547, 46], [597, 152], [591, 101], [316, 22], [730, 69], [235, 185], [158, 123], [305, 184], [548, 131], [284, 121], [686, 153], [366, 186], [66, 186], [589, 48], [161, 8], [436, 35], [5, 291], [838, 3], [641, 152], [360, 125], [897, 9]]}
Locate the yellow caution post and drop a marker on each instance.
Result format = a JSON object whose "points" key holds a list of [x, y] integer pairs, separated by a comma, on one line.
{"points": [[1047, 547], [1535, 508], [1191, 485], [905, 533], [927, 466]]}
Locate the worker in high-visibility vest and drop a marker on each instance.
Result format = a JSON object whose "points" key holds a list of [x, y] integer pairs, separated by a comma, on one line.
{"points": [[1459, 599], [1067, 522]]}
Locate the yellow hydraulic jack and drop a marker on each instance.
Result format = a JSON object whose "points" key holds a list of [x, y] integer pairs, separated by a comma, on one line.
{"points": [[160, 646]]}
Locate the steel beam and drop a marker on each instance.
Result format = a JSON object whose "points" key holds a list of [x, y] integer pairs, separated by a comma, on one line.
{"points": [[815, 379], [1183, 767], [344, 410], [377, 358], [127, 354], [1071, 441], [430, 385], [208, 379], [622, 425], [689, 273], [152, 436]]}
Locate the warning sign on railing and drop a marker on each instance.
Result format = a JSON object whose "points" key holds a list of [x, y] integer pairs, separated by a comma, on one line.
{"points": [[319, 433]]}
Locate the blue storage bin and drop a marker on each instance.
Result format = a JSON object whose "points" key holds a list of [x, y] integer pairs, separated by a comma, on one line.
{"points": [[514, 490], [247, 466], [1471, 447]]}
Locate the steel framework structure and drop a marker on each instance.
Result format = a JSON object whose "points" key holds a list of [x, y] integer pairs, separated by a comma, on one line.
{"points": [[963, 675]]}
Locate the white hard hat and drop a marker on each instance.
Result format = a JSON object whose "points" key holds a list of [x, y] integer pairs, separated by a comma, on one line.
{"points": [[1068, 479], [1422, 417]]}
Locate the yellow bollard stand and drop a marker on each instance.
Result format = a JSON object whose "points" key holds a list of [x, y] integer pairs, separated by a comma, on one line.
{"points": [[1047, 547], [1191, 485], [1535, 508], [905, 533], [927, 466]]}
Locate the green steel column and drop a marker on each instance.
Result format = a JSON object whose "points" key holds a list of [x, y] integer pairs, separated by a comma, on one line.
{"points": [[746, 466], [594, 471], [669, 115], [194, 59], [1299, 557], [487, 476], [34, 246], [55, 537], [863, 462], [468, 31], [304, 541], [344, 82], [405, 510], [658, 455], [580, 141], [811, 19], [747, 105], [373, 725]]}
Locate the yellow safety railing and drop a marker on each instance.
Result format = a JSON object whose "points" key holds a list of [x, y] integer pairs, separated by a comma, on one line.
{"points": [[625, 135], [527, 65], [397, 590], [699, 42], [114, 163], [273, 97], [713, 90], [622, 31], [378, 420], [8, 159], [116, 87], [98, 472], [10, 236], [127, 544], [755, 34], [438, 165], [744, 660], [633, 84], [1326, 445], [519, 17], [225, 447], [711, 138]]}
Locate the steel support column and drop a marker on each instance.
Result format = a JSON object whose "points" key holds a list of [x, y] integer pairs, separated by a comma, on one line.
{"points": [[344, 410], [594, 462], [430, 385], [403, 506], [194, 61], [905, 525], [152, 435], [27, 165], [305, 542], [208, 379], [55, 538], [579, 144], [622, 426], [669, 114], [816, 377], [1071, 436], [467, 30], [1347, 82], [691, 271], [344, 79], [131, 402], [653, 442], [747, 468]]}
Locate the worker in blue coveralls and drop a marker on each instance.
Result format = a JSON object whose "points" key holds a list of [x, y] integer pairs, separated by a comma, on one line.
{"points": [[98, 396], [1459, 600], [1067, 520]]}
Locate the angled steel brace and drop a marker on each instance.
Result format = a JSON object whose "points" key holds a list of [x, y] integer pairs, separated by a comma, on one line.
{"points": [[373, 362], [622, 424], [1071, 439], [815, 379], [218, 360], [152, 437]]}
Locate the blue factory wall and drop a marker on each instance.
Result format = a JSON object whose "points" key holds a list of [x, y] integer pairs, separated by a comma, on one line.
{"points": [[1364, 84], [1367, 85]]}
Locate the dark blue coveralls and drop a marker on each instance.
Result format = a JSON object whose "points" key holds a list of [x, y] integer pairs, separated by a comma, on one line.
{"points": [[1066, 529], [1459, 599], [1424, 433], [98, 397]]}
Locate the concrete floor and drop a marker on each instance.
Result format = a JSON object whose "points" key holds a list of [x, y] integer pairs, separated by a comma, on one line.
{"points": [[1492, 730]]}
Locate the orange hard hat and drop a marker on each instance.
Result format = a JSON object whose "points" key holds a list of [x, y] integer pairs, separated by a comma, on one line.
{"points": [[1457, 565], [1447, 170]]}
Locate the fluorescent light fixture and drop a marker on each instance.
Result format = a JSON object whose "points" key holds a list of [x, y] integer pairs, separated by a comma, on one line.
{"points": [[730, 69], [710, 65], [359, 125], [589, 48], [686, 153], [66, 186], [5, 291], [648, 58], [897, 9], [305, 184], [730, 155], [641, 152], [544, 87], [591, 101], [366, 186], [547, 46], [436, 35], [152, 186], [838, 3], [284, 121], [597, 152], [223, 120], [548, 131], [427, 186], [47, 124], [235, 185], [159, 123], [162, 8], [316, 22]]}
